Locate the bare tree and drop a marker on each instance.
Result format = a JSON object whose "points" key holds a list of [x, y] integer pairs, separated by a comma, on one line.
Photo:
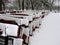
{"points": [[22, 4], [32, 4], [2, 4], [19, 4]]}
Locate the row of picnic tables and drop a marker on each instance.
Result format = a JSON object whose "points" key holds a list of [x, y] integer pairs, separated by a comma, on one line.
{"points": [[19, 25]]}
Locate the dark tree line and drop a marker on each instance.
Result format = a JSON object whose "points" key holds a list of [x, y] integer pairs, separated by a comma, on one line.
{"points": [[31, 4]]}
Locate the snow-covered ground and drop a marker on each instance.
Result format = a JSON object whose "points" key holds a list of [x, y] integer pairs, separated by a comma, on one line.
{"points": [[49, 32]]}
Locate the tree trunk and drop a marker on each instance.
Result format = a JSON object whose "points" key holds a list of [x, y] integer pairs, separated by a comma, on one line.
{"points": [[19, 4], [32, 5], [1, 5], [22, 4]]}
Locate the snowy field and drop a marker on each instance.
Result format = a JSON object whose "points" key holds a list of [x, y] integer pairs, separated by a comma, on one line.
{"points": [[49, 32]]}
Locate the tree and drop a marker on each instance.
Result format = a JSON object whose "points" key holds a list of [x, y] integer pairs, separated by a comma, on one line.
{"points": [[22, 4], [32, 3], [19, 4], [2, 3]]}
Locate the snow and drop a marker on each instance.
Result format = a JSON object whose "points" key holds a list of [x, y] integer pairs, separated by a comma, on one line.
{"points": [[49, 31], [10, 29]]}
